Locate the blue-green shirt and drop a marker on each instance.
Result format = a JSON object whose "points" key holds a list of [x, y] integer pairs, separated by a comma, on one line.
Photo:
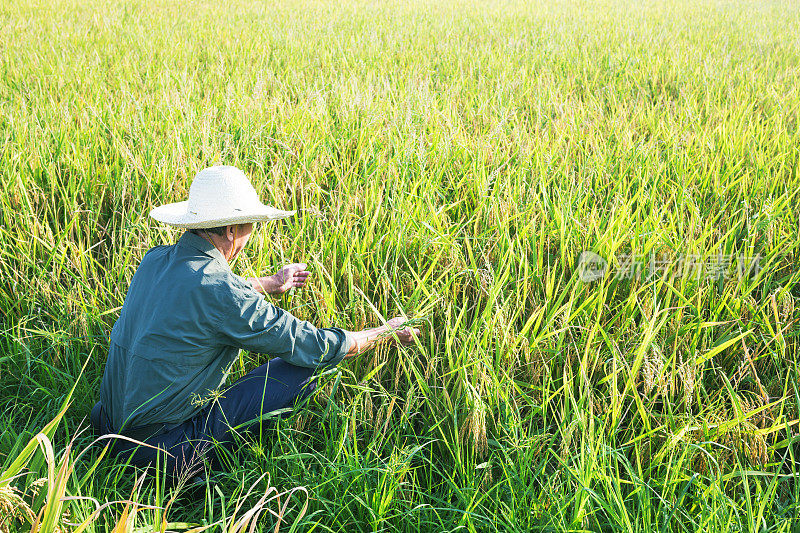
{"points": [[183, 322]]}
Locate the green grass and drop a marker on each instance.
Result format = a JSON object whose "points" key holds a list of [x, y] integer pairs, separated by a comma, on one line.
{"points": [[449, 161]]}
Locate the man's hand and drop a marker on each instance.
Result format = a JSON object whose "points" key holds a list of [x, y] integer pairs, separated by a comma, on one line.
{"points": [[405, 335], [366, 339], [288, 277]]}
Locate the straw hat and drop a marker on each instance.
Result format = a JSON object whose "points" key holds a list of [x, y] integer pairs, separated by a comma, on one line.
{"points": [[218, 196]]}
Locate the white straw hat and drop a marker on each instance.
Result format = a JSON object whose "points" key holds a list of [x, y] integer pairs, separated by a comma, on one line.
{"points": [[218, 196]]}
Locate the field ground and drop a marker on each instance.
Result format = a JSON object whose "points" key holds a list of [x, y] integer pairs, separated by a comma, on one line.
{"points": [[450, 161]]}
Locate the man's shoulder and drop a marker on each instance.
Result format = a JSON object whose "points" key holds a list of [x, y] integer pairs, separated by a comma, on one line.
{"points": [[178, 258], [153, 261], [158, 250]]}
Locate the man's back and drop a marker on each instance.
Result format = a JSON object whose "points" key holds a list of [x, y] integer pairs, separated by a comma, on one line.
{"points": [[165, 346]]}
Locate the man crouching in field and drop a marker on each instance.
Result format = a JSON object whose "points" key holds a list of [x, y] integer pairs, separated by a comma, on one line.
{"points": [[184, 320]]}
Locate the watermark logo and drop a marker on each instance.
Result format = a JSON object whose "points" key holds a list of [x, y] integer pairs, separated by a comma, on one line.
{"points": [[592, 267]]}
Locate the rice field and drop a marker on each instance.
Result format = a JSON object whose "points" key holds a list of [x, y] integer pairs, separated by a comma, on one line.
{"points": [[450, 161]]}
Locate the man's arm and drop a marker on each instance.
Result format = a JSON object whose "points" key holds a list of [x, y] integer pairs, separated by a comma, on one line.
{"points": [[250, 322]]}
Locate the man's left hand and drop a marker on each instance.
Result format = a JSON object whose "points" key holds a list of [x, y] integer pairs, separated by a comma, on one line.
{"points": [[289, 277]]}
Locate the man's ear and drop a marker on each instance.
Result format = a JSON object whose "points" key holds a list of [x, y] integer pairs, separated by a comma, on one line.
{"points": [[230, 233]]}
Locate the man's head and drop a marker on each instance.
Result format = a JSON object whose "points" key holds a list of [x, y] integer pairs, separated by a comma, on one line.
{"points": [[222, 207], [230, 240]]}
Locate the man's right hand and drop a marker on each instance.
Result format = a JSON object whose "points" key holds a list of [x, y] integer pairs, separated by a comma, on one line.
{"points": [[366, 339], [405, 335]]}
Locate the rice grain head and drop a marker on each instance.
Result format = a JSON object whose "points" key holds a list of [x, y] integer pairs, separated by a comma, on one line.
{"points": [[13, 508], [473, 429]]}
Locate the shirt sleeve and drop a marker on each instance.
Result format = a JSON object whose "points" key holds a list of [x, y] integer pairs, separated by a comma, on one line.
{"points": [[251, 323]]}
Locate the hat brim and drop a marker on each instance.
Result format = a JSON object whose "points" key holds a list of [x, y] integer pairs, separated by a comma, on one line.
{"points": [[177, 214]]}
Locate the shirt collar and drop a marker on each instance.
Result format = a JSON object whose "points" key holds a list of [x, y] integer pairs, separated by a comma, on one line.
{"points": [[196, 242]]}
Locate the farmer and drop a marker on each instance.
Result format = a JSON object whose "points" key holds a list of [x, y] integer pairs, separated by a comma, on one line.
{"points": [[184, 320]]}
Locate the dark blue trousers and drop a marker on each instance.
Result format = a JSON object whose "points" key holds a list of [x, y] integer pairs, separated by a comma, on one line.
{"points": [[275, 385]]}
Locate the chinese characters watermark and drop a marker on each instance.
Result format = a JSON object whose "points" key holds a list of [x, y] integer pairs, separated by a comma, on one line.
{"points": [[592, 267]]}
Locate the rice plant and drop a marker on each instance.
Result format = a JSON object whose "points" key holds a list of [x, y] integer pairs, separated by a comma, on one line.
{"points": [[449, 161]]}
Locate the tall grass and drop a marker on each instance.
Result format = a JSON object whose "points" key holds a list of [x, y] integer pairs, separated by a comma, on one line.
{"points": [[448, 161]]}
